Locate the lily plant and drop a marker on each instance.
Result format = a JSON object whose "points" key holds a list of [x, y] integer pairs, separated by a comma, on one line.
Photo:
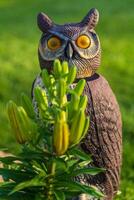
{"points": [[49, 138]]}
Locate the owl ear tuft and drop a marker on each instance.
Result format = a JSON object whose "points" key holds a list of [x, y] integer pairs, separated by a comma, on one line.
{"points": [[91, 19], [44, 22]]}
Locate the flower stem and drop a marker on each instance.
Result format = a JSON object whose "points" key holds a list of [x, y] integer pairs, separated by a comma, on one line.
{"points": [[50, 181]]}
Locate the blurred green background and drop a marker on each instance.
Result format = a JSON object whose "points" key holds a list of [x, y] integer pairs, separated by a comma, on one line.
{"points": [[19, 38]]}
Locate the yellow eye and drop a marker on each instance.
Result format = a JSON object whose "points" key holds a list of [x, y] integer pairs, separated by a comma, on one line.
{"points": [[54, 43], [83, 41]]}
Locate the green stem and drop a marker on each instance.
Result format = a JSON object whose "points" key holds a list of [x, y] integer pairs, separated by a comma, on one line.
{"points": [[50, 181], [53, 168]]}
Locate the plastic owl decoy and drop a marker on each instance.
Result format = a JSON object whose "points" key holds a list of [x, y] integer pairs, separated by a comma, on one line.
{"points": [[79, 45]]}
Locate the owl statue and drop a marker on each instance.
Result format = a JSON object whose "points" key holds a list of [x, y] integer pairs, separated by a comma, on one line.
{"points": [[79, 45]]}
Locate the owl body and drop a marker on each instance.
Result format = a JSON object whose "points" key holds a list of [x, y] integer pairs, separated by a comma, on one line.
{"points": [[79, 45], [103, 140]]}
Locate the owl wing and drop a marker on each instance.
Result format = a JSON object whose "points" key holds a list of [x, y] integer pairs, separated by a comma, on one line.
{"points": [[104, 139]]}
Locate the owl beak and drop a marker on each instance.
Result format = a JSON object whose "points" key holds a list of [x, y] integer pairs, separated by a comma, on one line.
{"points": [[69, 51]]}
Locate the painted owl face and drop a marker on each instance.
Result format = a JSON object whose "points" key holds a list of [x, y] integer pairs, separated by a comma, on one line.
{"points": [[76, 43]]}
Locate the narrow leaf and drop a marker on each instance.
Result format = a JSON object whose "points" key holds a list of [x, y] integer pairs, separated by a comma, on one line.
{"points": [[15, 175], [35, 182], [59, 195], [78, 187], [80, 154], [90, 171]]}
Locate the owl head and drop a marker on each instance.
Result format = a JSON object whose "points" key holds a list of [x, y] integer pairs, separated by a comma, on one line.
{"points": [[76, 43]]}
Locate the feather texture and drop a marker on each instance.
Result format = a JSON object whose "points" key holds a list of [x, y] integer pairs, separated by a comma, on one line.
{"points": [[104, 140]]}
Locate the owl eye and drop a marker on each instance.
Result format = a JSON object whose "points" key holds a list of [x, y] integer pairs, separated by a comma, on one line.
{"points": [[54, 43], [83, 41]]}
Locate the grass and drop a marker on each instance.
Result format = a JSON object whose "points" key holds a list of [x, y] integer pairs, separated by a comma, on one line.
{"points": [[19, 64]]}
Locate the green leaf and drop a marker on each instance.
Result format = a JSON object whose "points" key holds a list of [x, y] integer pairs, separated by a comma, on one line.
{"points": [[78, 187], [39, 167], [90, 171], [79, 159], [16, 196], [28, 155], [8, 159], [35, 182], [61, 165], [80, 154], [74, 166], [72, 163], [15, 175], [6, 185], [92, 191], [6, 188], [71, 194], [59, 195], [84, 163]]}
